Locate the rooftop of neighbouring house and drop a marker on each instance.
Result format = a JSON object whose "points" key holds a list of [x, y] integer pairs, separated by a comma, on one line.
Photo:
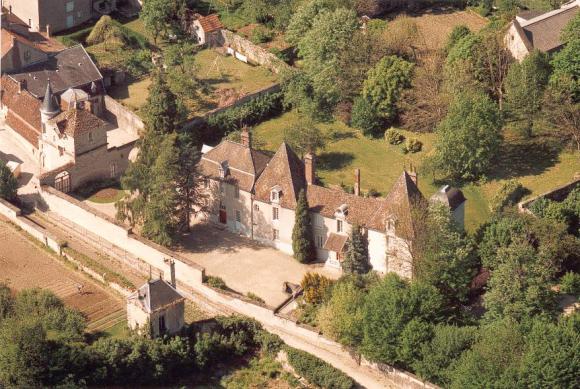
{"points": [[155, 295], [70, 68]]}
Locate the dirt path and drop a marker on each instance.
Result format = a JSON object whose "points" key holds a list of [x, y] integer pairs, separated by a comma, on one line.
{"points": [[24, 265]]}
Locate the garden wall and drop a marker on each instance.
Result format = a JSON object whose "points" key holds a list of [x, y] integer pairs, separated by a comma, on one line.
{"points": [[122, 117], [120, 236], [557, 194], [254, 53]]}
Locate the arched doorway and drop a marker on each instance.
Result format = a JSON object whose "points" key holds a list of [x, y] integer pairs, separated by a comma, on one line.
{"points": [[62, 182]]}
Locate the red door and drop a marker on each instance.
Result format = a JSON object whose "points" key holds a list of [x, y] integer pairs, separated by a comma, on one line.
{"points": [[223, 216]]}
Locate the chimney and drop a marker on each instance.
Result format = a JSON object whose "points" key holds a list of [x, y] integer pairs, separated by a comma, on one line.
{"points": [[246, 137], [357, 182], [172, 272], [21, 85], [309, 168], [48, 30], [413, 175]]}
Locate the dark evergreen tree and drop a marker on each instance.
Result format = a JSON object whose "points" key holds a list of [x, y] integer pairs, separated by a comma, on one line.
{"points": [[8, 183], [301, 234], [356, 259]]}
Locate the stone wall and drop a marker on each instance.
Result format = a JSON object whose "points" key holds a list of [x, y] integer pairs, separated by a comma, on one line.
{"points": [[557, 194], [255, 54], [122, 117]]}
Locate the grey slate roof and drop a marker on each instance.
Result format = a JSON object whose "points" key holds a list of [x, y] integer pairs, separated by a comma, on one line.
{"points": [[70, 68], [155, 295], [452, 197]]}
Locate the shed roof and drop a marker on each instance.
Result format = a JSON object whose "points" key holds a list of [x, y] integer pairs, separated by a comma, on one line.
{"points": [[155, 295]]}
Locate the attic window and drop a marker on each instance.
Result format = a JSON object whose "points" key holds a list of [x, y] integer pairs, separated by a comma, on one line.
{"points": [[390, 225], [275, 194], [342, 211], [223, 169]]}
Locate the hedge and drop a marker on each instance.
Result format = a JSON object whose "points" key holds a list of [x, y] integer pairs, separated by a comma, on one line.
{"points": [[316, 371]]}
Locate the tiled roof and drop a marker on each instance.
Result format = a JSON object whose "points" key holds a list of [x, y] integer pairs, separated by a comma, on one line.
{"points": [[286, 170], [32, 39], [335, 242], [70, 68], [74, 122], [155, 295], [544, 34], [210, 23], [245, 164], [24, 110]]}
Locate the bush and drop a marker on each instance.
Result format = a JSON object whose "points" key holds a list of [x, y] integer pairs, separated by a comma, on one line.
{"points": [[316, 371], [316, 288], [281, 55], [393, 136], [413, 145], [365, 117], [269, 343], [570, 283], [255, 297], [508, 194], [261, 35], [216, 282], [373, 193]]}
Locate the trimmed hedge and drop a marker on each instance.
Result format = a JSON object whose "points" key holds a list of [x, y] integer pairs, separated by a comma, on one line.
{"points": [[316, 371]]}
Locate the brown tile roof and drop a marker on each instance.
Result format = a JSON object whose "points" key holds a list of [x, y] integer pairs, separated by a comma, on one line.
{"points": [[335, 242], [245, 164], [33, 39], [544, 34], [70, 68], [210, 23], [75, 122], [529, 14], [286, 170], [23, 110]]}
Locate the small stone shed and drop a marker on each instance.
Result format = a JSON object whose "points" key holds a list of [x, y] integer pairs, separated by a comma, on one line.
{"points": [[158, 304]]}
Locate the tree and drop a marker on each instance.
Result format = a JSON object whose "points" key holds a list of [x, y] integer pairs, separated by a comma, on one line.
{"points": [[518, 287], [182, 70], [303, 20], [550, 358], [493, 360], [6, 302], [8, 183], [447, 259], [302, 244], [442, 351], [356, 257], [365, 117], [190, 197], [525, 85], [316, 288], [456, 35], [321, 48], [304, 137], [390, 305], [160, 16], [384, 85], [24, 358], [340, 318], [161, 111], [562, 107], [469, 137]]}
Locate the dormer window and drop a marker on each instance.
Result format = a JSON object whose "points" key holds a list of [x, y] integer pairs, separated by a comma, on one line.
{"points": [[342, 211], [339, 226], [223, 169], [390, 225], [275, 194]]}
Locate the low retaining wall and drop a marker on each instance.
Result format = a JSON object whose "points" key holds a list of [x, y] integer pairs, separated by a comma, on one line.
{"points": [[122, 117]]}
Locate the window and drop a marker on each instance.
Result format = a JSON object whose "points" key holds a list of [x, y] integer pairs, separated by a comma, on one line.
{"points": [[275, 213], [60, 151], [237, 192], [91, 137], [339, 226], [238, 216], [256, 207], [70, 6], [162, 327], [275, 234]]}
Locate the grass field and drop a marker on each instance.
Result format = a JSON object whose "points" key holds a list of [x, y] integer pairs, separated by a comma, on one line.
{"points": [[539, 164]]}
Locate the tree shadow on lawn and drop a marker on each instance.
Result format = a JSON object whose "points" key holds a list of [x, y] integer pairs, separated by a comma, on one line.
{"points": [[335, 160], [526, 157]]}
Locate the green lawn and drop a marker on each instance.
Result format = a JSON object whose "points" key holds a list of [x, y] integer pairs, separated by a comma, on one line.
{"points": [[119, 330], [539, 164], [132, 94]]}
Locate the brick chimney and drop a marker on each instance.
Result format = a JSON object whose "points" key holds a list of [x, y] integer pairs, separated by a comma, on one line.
{"points": [[21, 85], [246, 137], [357, 182], [309, 168], [48, 31]]}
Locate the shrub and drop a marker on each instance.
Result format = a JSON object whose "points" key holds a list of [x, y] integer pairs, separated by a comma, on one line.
{"points": [[318, 372], [393, 136], [216, 282], [269, 343], [8, 183], [365, 117], [261, 35], [281, 55], [373, 193], [316, 288], [570, 283], [255, 297], [413, 145], [508, 194]]}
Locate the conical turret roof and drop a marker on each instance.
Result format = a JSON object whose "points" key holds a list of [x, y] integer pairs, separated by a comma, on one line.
{"points": [[49, 104]]}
